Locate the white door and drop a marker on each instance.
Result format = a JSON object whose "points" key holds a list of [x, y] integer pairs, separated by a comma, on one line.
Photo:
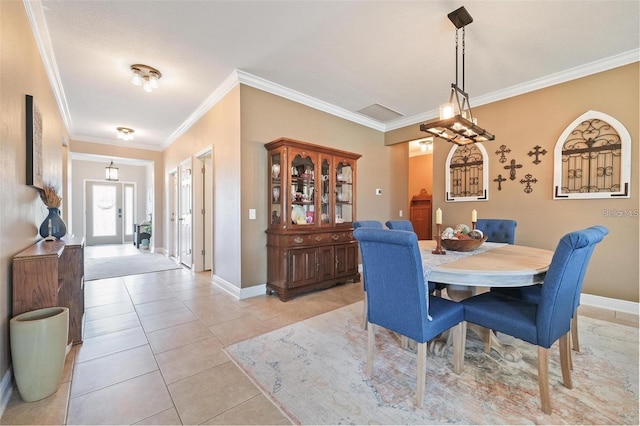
{"points": [[186, 208], [104, 213], [174, 203]]}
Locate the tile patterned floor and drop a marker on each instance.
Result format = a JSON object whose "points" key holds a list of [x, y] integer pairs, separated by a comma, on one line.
{"points": [[152, 352]]}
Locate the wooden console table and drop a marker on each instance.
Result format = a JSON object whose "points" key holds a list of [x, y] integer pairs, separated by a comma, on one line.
{"points": [[51, 273]]}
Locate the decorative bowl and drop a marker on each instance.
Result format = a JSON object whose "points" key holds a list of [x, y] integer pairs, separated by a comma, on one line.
{"points": [[462, 245]]}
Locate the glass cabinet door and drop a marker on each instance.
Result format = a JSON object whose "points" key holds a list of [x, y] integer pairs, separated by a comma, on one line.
{"points": [[275, 197], [325, 191], [344, 172], [303, 187]]}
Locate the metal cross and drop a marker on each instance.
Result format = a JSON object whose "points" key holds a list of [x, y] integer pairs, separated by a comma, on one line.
{"points": [[512, 169], [537, 152], [528, 179], [501, 152], [499, 179]]}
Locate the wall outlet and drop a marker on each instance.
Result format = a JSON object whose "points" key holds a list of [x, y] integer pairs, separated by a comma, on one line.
{"points": [[378, 191], [400, 213], [252, 214]]}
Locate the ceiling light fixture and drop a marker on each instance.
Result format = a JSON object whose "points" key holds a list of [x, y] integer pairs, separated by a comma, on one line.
{"points": [[145, 76], [125, 133], [456, 123], [111, 172], [426, 144]]}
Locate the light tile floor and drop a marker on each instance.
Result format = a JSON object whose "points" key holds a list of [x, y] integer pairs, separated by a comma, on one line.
{"points": [[152, 352]]}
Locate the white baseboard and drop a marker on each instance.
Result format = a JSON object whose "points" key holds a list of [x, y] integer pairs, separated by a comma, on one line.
{"points": [[238, 293], [608, 303], [6, 388]]}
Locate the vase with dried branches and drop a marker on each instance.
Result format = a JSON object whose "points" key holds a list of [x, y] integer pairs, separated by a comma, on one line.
{"points": [[53, 225]]}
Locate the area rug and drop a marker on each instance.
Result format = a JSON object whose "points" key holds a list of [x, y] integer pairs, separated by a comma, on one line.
{"points": [[314, 372], [118, 266]]}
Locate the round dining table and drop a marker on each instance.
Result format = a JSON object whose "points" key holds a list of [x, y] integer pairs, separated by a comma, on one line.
{"points": [[491, 265]]}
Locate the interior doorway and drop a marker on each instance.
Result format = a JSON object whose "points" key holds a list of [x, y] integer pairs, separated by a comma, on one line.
{"points": [[203, 206], [174, 243], [185, 216]]}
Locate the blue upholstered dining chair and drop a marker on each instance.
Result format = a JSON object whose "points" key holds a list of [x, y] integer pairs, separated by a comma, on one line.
{"points": [[366, 224], [398, 299], [549, 320], [498, 230], [533, 293], [400, 225]]}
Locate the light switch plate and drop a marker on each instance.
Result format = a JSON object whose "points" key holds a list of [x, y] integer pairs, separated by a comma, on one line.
{"points": [[378, 191], [252, 214]]}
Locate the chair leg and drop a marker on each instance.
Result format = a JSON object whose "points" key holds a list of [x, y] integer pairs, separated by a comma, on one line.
{"points": [[574, 332], [371, 344], [543, 379], [459, 339], [565, 361], [486, 339], [404, 342], [364, 313], [421, 375]]}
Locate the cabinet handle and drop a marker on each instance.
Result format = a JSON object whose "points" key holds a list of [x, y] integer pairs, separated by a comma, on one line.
{"points": [[335, 237], [337, 262], [318, 238], [298, 240]]}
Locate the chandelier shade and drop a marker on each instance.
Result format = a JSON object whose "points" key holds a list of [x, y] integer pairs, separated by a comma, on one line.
{"points": [[456, 123]]}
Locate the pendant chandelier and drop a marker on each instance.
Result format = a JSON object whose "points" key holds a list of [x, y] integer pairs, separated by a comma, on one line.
{"points": [[111, 172], [456, 123]]}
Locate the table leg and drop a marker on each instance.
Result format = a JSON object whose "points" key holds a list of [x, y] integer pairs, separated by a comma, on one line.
{"points": [[440, 346]]}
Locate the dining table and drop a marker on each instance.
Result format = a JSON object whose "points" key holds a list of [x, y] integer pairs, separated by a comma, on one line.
{"points": [[490, 265]]}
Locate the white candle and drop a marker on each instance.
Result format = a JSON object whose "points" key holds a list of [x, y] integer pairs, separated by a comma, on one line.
{"points": [[438, 216], [474, 216]]}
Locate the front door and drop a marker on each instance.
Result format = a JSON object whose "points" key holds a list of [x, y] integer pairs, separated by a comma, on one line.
{"points": [[104, 213]]}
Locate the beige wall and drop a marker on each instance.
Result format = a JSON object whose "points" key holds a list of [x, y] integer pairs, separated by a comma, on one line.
{"points": [[22, 212], [219, 128], [538, 118]]}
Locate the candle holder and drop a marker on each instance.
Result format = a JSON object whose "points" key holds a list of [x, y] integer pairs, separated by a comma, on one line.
{"points": [[473, 225], [439, 249]]}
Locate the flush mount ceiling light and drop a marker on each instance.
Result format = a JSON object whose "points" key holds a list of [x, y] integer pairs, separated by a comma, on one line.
{"points": [[125, 133], [145, 76], [111, 172], [456, 123], [426, 144]]}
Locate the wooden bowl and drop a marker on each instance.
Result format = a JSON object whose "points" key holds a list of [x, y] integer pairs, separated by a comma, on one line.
{"points": [[462, 245]]}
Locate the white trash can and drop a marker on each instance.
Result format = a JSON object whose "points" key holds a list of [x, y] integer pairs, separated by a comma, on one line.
{"points": [[38, 349]]}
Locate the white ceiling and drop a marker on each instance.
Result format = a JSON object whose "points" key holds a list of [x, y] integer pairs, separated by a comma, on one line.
{"points": [[338, 56]]}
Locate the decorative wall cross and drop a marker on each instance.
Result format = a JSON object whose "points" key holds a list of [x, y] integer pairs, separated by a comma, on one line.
{"points": [[501, 152], [499, 179], [512, 169], [537, 152], [528, 179]]}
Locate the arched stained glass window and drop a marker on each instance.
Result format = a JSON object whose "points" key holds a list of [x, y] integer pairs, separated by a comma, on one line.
{"points": [[467, 174], [592, 159]]}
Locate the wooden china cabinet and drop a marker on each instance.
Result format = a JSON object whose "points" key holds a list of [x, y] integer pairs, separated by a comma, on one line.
{"points": [[312, 192]]}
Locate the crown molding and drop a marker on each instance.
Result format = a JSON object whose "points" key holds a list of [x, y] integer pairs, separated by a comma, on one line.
{"points": [[220, 92], [116, 142], [301, 98], [585, 70], [40, 30]]}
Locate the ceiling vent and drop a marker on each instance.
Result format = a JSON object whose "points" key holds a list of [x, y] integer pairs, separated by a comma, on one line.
{"points": [[380, 113]]}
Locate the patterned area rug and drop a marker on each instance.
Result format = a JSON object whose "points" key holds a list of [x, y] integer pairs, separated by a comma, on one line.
{"points": [[314, 371], [118, 266]]}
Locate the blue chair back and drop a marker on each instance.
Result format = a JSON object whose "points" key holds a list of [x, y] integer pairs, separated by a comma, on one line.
{"points": [[498, 230], [400, 225], [396, 291], [563, 283], [367, 224]]}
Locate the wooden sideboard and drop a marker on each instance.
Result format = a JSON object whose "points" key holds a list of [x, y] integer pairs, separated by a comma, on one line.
{"points": [[51, 273]]}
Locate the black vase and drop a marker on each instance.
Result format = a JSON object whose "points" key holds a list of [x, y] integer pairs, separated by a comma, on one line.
{"points": [[58, 227]]}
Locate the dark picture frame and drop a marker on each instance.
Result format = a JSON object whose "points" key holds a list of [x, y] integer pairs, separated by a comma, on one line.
{"points": [[34, 144]]}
